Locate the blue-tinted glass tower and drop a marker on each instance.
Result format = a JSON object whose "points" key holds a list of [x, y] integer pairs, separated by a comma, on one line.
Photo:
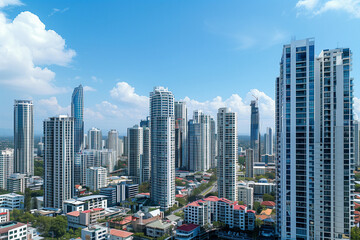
{"points": [[255, 131], [77, 112]]}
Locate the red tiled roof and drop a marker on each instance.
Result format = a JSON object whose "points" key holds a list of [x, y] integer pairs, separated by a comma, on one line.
{"points": [[184, 190], [268, 203], [239, 207], [252, 211], [6, 229], [3, 213], [98, 209], [120, 233], [179, 196], [212, 199], [188, 227], [194, 204], [86, 211], [74, 213]]}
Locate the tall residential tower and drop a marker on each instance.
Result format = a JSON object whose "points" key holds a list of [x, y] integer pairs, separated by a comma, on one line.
{"points": [[255, 131], [77, 112], [162, 127], [23, 137]]}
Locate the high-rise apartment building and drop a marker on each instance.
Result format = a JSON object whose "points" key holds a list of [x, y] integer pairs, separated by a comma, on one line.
{"points": [[16, 182], [135, 153], [146, 159], [199, 142], [213, 144], [77, 112], [356, 143], [113, 141], [95, 139], [6, 166], [227, 154], [181, 149], [269, 141], [315, 143], [162, 127], [59, 160], [23, 137], [255, 131], [96, 178]]}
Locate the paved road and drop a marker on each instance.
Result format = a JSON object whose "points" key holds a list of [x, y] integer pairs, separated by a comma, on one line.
{"points": [[213, 188]]}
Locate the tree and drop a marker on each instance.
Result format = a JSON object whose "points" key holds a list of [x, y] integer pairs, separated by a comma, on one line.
{"points": [[241, 160], [144, 187], [355, 233], [27, 203], [58, 226], [268, 197], [357, 187], [39, 168]]}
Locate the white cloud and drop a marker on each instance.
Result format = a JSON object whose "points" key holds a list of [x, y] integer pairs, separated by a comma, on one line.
{"points": [[125, 93], [308, 4], [5, 3], [56, 10], [89, 89], [315, 7], [25, 47], [240, 106], [356, 107]]}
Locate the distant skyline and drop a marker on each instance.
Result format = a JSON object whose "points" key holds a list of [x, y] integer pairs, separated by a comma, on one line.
{"points": [[209, 53]]}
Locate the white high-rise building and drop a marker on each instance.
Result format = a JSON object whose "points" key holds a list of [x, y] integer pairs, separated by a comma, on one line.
{"points": [[113, 141], [121, 147], [356, 143], [227, 154], [199, 142], [96, 178], [162, 127], [135, 153], [6, 166], [95, 139], [181, 148], [213, 144], [269, 141], [59, 160], [23, 137], [315, 143], [146, 159], [246, 195]]}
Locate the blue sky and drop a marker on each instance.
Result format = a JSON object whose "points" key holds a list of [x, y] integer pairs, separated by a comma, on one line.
{"points": [[210, 53]]}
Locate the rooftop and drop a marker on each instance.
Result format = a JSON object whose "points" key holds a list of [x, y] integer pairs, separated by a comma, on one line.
{"points": [[120, 233], [86, 198], [5, 227], [159, 225], [187, 227]]}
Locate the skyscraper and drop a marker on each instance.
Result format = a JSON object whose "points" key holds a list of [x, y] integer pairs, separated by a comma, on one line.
{"points": [[23, 137], [255, 131], [314, 149], [181, 155], [6, 166], [199, 142], [213, 144], [113, 141], [162, 127], [356, 143], [77, 112], [135, 153], [59, 160], [269, 141], [146, 160], [95, 139], [227, 154]]}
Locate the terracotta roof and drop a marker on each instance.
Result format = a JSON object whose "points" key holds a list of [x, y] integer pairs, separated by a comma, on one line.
{"points": [[268, 203], [194, 204], [147, 194], [120, 233], [179, 196], [3, 213], [74, 213], [212, 199], [183, 190], [262, 217], [188, 227], [266, 212], [252, 211], [98, 209]]}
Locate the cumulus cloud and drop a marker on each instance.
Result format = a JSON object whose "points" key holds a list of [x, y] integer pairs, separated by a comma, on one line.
{"points": [[125, 93], [316, 7], [89, 89], [50, 107], [240, 106], [26, 48], [5, 3]]}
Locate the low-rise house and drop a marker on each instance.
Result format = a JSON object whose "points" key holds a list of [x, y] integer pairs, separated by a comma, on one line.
{"points": [[174, 220], [85, 203], [139, 224], [95, 232], [33, 234], [13, 230], [120, 235], [4, 215], [268, 204], [12, 201], [158, 229], [187, 231], [85, 218], [211, 209]]}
